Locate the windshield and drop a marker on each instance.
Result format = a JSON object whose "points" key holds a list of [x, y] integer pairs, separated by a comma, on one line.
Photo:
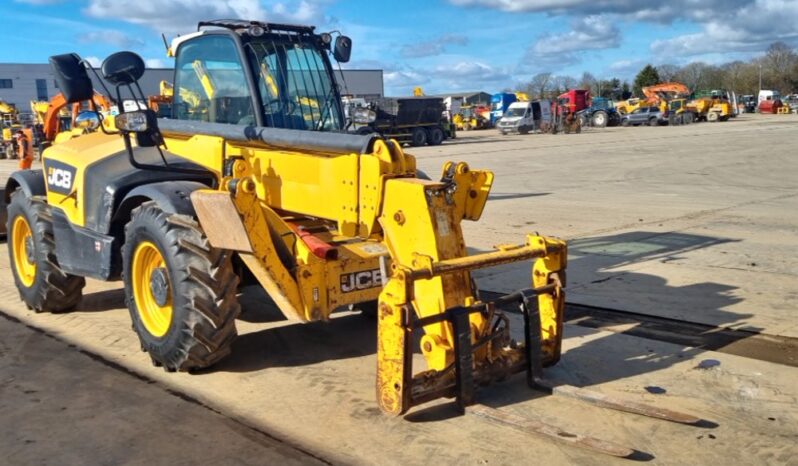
{"points": [[602, 104], [515, 112], [295, 85]]}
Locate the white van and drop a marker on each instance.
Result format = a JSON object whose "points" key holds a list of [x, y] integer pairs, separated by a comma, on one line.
{"points": [[525, 117], [519, 117]]}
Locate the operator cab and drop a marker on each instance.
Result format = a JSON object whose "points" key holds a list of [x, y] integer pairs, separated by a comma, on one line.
{"points": [[262, 74]]}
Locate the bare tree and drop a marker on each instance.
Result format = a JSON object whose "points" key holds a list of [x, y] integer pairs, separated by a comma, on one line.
{"points": [[779, 62], [539, 85], [667, 72], [560, 84], [588, 81]]}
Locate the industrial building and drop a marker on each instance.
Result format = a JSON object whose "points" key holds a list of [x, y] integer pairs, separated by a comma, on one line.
{"points": [[22, 83]]}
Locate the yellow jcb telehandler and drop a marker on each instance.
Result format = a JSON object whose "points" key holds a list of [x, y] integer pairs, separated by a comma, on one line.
{"points": [[252, 180]]}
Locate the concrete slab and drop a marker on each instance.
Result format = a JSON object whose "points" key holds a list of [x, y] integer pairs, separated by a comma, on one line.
{"points": [[312, 385]]}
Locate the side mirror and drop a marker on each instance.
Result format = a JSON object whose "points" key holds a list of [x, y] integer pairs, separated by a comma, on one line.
{"points": [[87, 120], [343, 49], [72, 78], [123, 68]]}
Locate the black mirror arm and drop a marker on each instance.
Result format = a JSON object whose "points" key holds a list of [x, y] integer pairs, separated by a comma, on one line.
{"points": [[99, 80]]}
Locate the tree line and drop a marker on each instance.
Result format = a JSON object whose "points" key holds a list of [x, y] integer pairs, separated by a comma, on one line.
{"points": [[777, 69]]}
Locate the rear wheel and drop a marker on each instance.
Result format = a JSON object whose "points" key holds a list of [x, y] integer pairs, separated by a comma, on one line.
{"points": [[42, 285], [418, 137], [180, 291], [435, 136], [653, 122], [688, 118], [625, 122]]}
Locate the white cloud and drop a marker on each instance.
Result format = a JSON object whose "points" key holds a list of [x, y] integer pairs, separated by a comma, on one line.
{"points": [[646, 10], [404, 78], [472, 72], [589, 33], [556, 51], [432, 47], [626, 66], [726, 25], [109, 36], [95, 62], [182, 16], [748, 29], [157, 63]]}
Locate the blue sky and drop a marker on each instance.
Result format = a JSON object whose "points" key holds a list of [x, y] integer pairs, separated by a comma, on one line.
{"points": [[441, 45]]}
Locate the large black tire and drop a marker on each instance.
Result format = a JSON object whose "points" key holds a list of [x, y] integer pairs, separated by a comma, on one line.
{"points": [[418, 137], [688, 118], [47, 288], [364, 130], [600, 119], [200, 285], [435, 136]]}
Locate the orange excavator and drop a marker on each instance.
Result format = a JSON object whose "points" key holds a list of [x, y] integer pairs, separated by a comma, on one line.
{"points": [[54, 126], [660, 94]]}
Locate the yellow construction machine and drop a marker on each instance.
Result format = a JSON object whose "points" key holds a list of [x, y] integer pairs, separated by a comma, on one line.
{"points": [[9, 124], [711, 107], [322, 219], [630, 105], [181, 209], [470, 117]]}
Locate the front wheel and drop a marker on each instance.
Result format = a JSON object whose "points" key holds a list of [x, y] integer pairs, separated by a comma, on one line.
{"points": [[600, 119], [42, 285], [180, 291]]}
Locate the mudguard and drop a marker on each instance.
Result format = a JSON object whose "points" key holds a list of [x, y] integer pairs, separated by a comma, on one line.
{"points": [[30, 181], [172, 196]]}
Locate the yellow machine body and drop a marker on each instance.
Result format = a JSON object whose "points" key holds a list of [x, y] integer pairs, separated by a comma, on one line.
{"points": [[396, 238]]}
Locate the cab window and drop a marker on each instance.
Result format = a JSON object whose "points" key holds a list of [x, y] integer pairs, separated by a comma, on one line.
{"points": [[210, 83]]}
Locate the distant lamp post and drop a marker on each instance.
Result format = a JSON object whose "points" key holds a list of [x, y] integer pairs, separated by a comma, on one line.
{"points": [[760, 77]]}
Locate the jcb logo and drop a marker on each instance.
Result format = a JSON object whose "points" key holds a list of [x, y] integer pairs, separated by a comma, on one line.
{"points": [[60, 176], [358, 281]]}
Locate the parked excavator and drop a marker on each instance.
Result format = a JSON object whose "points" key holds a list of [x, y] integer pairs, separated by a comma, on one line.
{"points": [[9, 124], [660, 94], [243, 187], [65, 120]]}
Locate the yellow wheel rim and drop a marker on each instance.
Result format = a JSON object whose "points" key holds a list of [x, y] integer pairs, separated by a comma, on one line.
{"points": [[151, 289], [22, 244]]}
